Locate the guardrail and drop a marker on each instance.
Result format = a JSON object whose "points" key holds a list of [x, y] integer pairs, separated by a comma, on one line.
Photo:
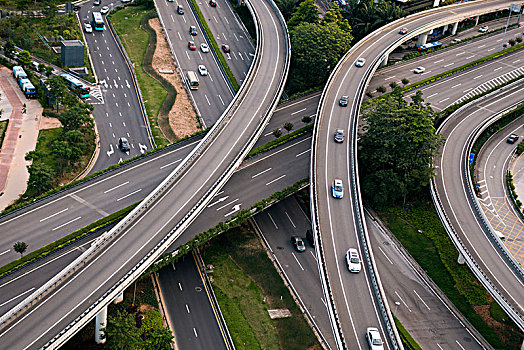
{"points": [[452, 233], [355, 188], [161, 246]]}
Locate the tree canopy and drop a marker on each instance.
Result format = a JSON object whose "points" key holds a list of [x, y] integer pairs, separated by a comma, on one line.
{"points": [[367, 15], [397, 144], [307, 12]]}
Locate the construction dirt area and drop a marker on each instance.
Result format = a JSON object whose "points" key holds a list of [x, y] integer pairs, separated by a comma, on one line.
{"points": [[182, 117]]}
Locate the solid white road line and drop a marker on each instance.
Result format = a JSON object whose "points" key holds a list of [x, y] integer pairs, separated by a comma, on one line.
{"points": [[260, 173], [298, 262], [130, 194], [67, 223], [168, 164], [18, 296], [278, 178], [52, 215], [114, 188]]}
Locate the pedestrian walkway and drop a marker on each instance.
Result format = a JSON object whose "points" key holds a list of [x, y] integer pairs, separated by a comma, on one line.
{"points": [[20, 138]]}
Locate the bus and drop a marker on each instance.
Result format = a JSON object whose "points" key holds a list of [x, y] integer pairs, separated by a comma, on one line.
{"points": [[192, 80], [98, 21], [75, 85], [429, 46]]}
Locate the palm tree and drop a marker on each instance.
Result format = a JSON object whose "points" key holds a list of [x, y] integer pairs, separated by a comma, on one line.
{"points": [[20, 247]]}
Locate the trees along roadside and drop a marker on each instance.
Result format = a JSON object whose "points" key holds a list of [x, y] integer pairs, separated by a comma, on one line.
{"points": [[397, 144]]}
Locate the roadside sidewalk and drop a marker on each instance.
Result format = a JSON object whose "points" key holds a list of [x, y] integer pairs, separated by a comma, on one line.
{"points": [[20, 138]]}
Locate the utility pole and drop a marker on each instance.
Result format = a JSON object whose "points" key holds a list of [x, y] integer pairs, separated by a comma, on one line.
{"points": [[512, 8]]}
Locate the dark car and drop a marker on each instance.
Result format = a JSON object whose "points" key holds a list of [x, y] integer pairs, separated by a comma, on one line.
{"points": [[343, 102], [212, 3], [225, 48], [298, 243], [123, 144], [192, 30], [339, 135], [97, 2], [512, 138], [180, 10]]}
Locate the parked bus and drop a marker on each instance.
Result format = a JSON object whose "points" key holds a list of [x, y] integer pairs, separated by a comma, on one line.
{"points": [[27, 88], [192, 80], [75, 85], [98, 21]]}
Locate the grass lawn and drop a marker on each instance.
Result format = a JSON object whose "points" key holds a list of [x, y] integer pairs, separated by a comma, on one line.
{"points": [[435, 252], [135, 41], [247, 285], [45, 138], [3, 128]]}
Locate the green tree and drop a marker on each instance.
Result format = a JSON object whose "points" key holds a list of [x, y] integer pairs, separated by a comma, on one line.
{"points": [[159, 339], [316, 50], [122, 333], [405, 81], [57, 90], [48, 71], [41, 178], [20, 247], [277, 133], [288, 126], [333, 15], [24, 58], [49, 10], [306, 119], [368, 15], [307, 12], [76, 117], [9, 49], [287, 7], [397, 144]]}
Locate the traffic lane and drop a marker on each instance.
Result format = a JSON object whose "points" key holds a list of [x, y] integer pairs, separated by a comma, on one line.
{"points": [[188, 307], [462, 217], [442, 60], [265, 174], [412, 300], [117, 109], [234, 196], [214, 94], [58, 216], [227, 30], [456, 87], [277, 224]]}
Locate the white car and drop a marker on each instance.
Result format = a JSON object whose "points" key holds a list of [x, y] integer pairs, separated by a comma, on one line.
{"points": [[202, 69], [337, 188], [104, 10], [419, 70], [483, 29], [88, 28], [204, 48], [353, 261], [373, 338], [360, 62]]}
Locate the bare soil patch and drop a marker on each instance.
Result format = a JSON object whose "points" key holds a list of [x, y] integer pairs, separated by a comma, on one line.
{"points": [[49, 123], [182, 117]]}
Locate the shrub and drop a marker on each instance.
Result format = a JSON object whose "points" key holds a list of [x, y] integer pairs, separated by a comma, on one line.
{"points": [[393, 85], [369, 94], [381, 89], [306, 119], [288, 126], [405, 81], [277, 132], [512, 42]]}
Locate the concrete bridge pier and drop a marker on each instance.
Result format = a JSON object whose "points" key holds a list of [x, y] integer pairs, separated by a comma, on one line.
{"points": [[100, 323], [454, 29], [119, 298], [422, 39]]}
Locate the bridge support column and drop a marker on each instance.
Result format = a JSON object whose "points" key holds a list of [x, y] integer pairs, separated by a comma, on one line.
{"points": [[477, 20], [460, 259], [100, 323], [444, 29], [385, 60], [454, 29], [422, 39], [119, 298], [436, 3]]}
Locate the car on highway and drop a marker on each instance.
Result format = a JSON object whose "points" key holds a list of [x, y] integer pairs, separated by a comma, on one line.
{"points": [[202, 69], [403, 30], [104, 10], [512, 138], [192, 30], [339, 135], [373, 338], [180, 10], [97, 2], [226, 48], [353, 261], [360, 62], [419, 70], [123, 144], [212, 3], [125, 1], [337, 188], [191, 45], [483, 29], [343, 102], [204, 48], [298, 243], [88, 28]]}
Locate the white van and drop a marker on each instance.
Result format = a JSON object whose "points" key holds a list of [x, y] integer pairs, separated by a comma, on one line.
{"points": [[500, 235]]}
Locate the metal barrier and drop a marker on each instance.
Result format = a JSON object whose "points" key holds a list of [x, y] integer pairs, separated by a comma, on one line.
{"points": [[457, 241]]}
